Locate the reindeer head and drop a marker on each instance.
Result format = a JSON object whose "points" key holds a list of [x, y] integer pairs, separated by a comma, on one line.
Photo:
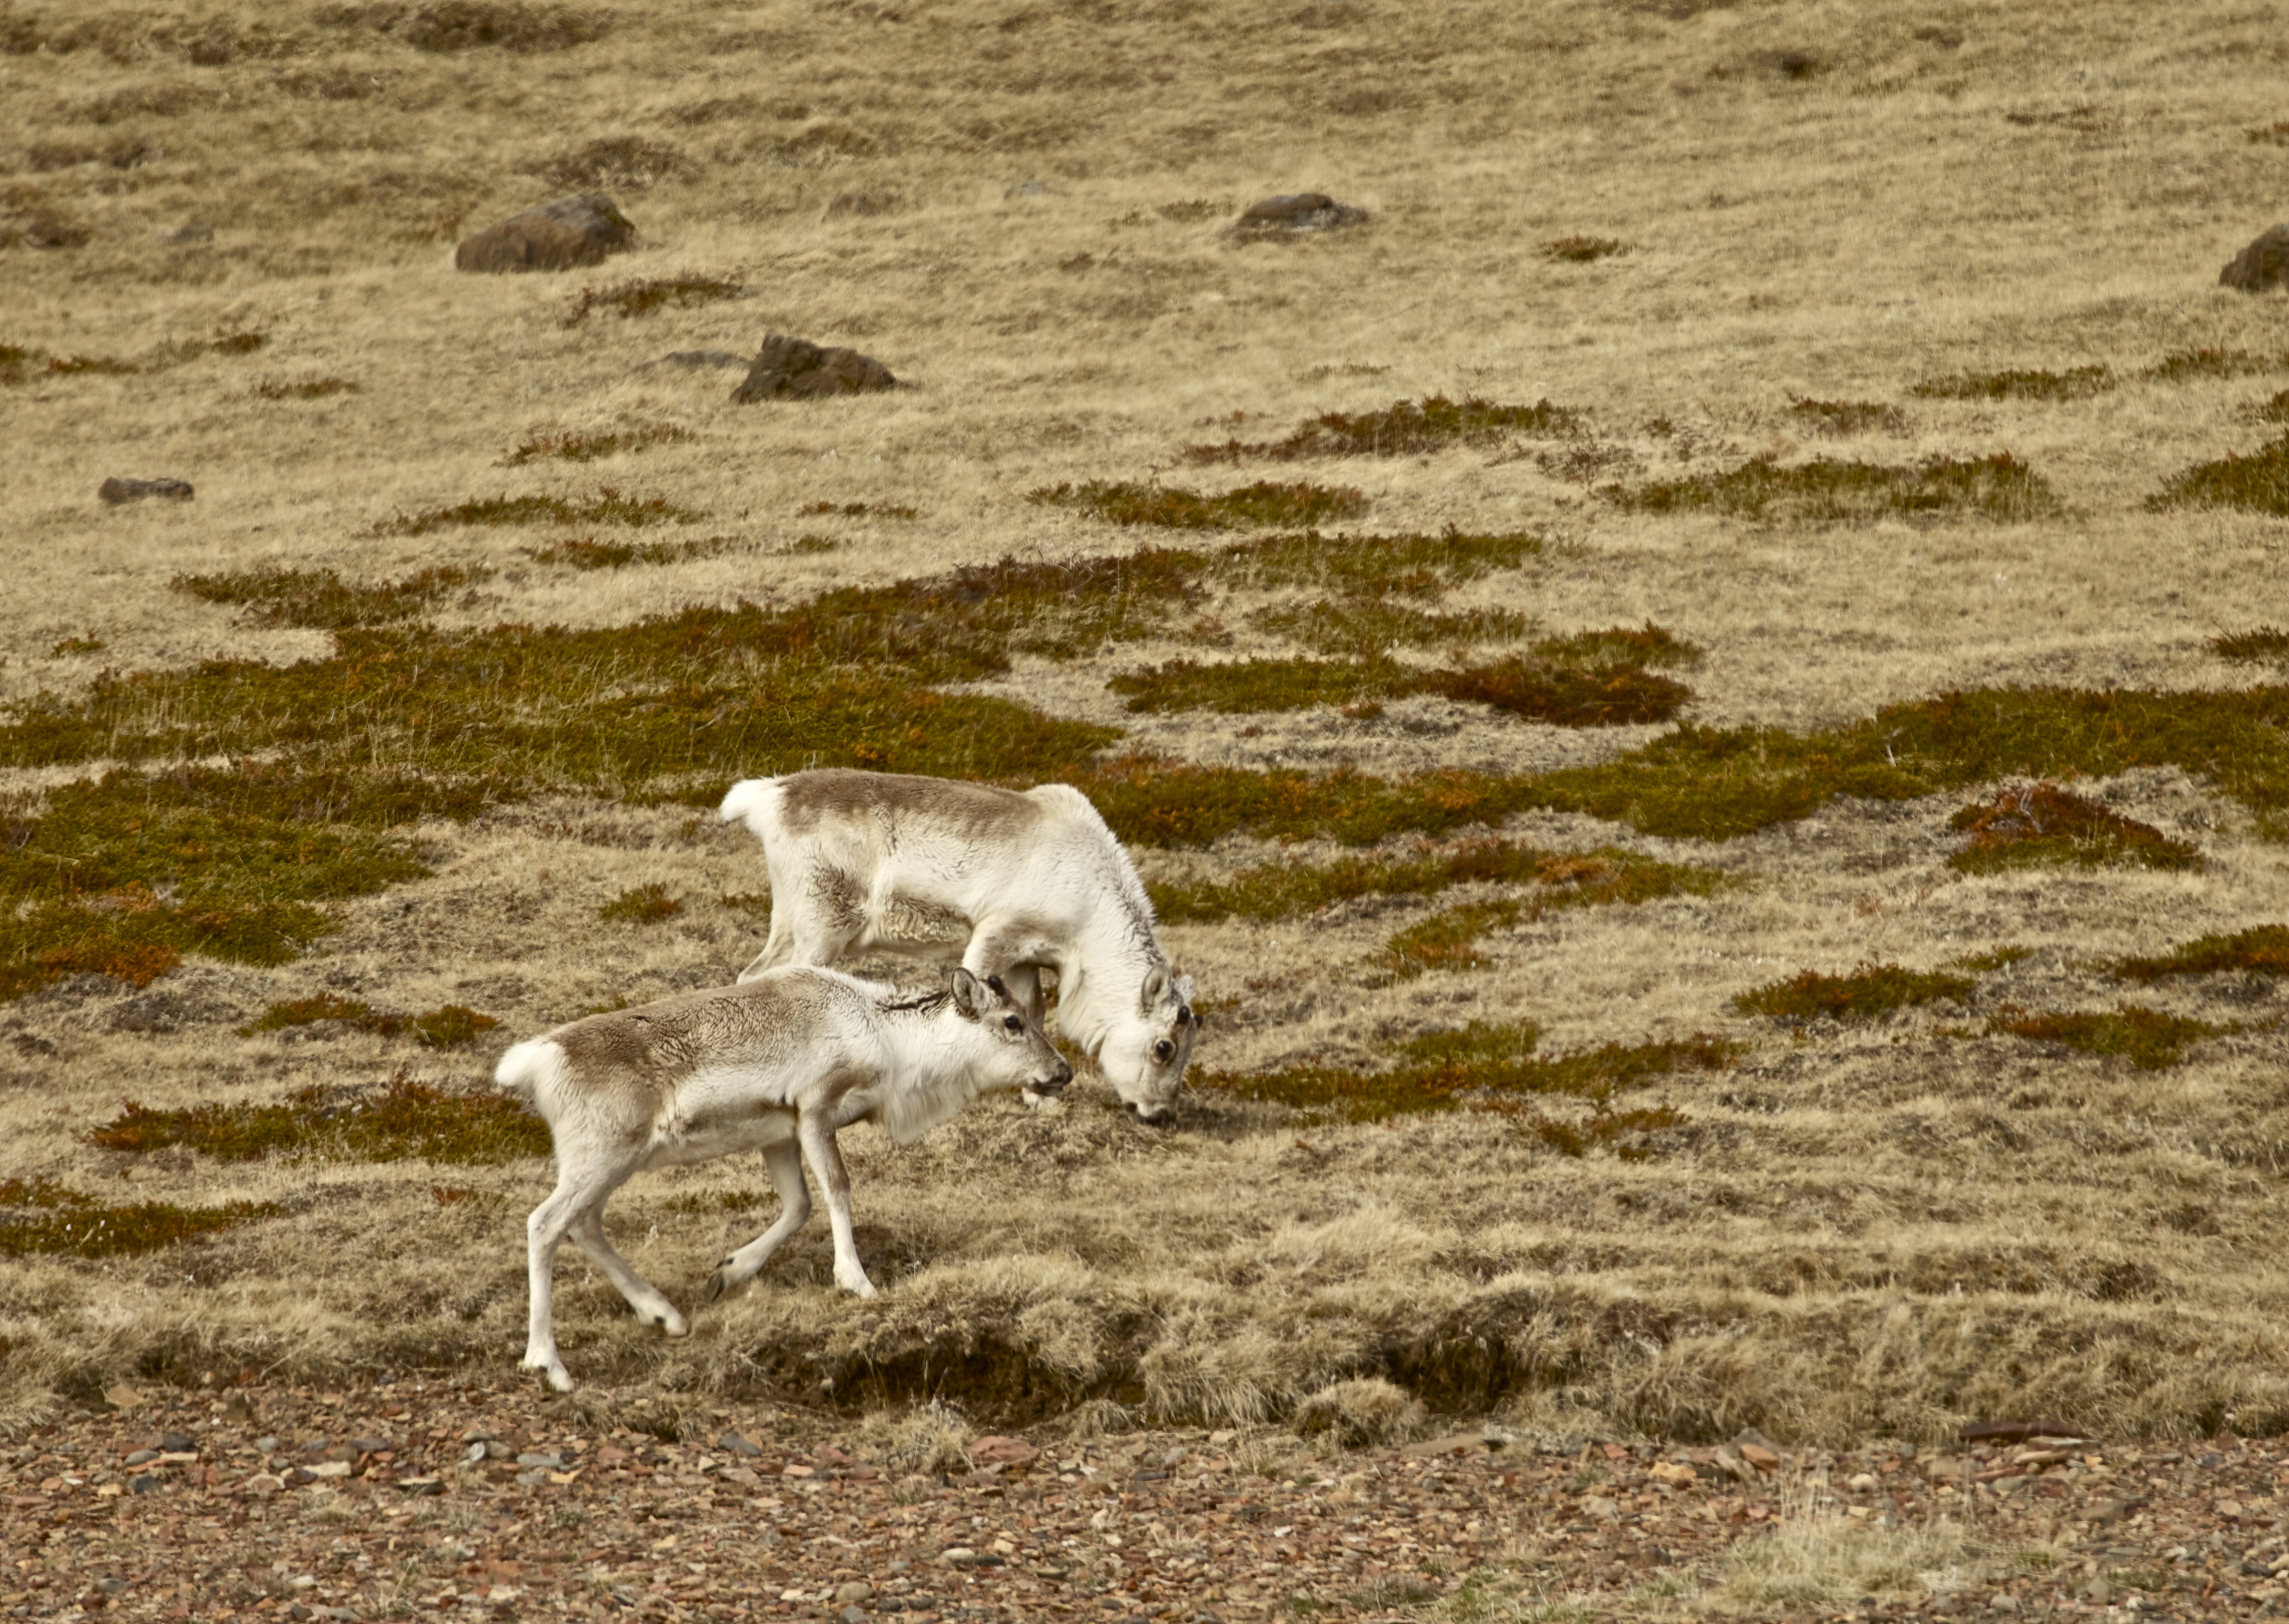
{"points": [[1011, 1052], [1145, 1054]]}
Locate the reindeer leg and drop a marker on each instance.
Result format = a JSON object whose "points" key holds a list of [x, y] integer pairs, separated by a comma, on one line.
{"points": [[784, 1162], [811, 923], [816, 1134], [581, 1191], [651, 1306]]}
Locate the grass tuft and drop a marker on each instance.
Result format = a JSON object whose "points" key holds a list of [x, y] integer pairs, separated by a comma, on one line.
{"points": [[325, 1007], [2266, 645], [2041, 824], [589, 447], [1581, 250], [321, 599], [859, 510], [2147, 1038], [607, 506], [1999, 488], [404, 1119], [631, 299], [45, 1217], [1842, 418], [1264, 503], [1477, 1064], [2275, 410], [1367, 625], [642, 905], [445, 26], [2190, 365], [1868, 992], [1369, 566], [2258, 483], [1403, 428], [2261, 951], [2018, 383], [302, 388]]}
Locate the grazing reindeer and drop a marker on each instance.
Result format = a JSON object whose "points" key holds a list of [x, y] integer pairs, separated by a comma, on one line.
{"points": [[1010, 884], [781, 1064]]}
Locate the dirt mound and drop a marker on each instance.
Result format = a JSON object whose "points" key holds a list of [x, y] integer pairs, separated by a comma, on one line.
{"points": [[571, 231]]}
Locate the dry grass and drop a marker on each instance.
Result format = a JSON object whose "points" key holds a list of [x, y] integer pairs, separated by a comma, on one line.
{"points": [[434, 717]]}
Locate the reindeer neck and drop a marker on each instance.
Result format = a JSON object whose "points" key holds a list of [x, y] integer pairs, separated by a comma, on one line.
{"points": [[1116, 952]]}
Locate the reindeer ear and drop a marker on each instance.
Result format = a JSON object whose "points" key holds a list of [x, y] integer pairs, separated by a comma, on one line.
{"points": [[1156, 988], [969, 998]]}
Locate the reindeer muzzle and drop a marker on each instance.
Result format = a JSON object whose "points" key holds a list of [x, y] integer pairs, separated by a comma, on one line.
{"points": [[1055, 1081], [1153, 1117]]}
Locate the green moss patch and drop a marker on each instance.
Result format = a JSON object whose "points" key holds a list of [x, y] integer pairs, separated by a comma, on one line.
{"points": [[2258, 483], [1581, 250], [1595, 679], [643, 296], [2261, 951], [2018, 383], [2000, 489], [124, 876], [2040, 824], [321, 598], [588, 552], [1840, 418], [1560, 879], [1406, 428], [2194, 366], [607, 506], [42, 1216], [2147, 1038], [589, 447], [1868, 992], [1265, 503], [1484, 1064], [1450, 939], [1369, 566], [1369, 626], [1155, 802], [1715, 784], [448, 1027], [405, 1119]]}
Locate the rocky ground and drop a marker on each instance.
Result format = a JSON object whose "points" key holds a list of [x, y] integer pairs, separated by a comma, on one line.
{"points": [[396, 1500]]}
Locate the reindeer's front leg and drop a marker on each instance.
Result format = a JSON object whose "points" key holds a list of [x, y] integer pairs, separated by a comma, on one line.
{"points": [[815, 1132], [784, 1162]]}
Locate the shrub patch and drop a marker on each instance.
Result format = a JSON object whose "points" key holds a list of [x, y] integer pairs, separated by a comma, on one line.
{"points": [[2041, 823], [45, 1216], [2261, 951], [589, 447], [1840, 418], [2147, 1038], [640, 296], [588, 552], [2258, 483], [607, 506], [1868, 992], [403, 1119], [2076, 383], [321, 598], [2000, 489], [1264, 503], [1402, 429]]}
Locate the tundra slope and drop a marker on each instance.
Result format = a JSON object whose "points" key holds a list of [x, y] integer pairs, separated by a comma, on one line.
{"points": [[1009, 883], [780, 1063]]}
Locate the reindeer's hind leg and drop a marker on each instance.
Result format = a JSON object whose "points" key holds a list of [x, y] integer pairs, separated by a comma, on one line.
{"points": [[650, 1304], [785, 1164], [812, 921], [582, 1189]]}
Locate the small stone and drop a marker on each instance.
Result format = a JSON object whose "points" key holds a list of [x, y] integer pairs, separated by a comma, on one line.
{"points": [[142, 1483], [264, 1482], [2263, 264], [266, 1445], [420, 1485], [733, 1443], [477, 1453], [1601, 1506], [856, 1590], [994, 1448], [141, 1455], [176, 1443], [1764, 1459], [115, 492], [796, 368], [1862, 1482], [1295, 213], [559, 235], [854, 1615], [325, 1468], [554, 1463]]}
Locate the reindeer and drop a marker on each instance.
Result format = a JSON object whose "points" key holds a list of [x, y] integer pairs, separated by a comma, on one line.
{"points": [[1010, 884], [780, 1063]]}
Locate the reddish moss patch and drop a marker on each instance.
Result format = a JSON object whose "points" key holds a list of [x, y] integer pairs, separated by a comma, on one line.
{"points": [[2258, 483], [642, 297], [404, 1119], [588, 552], [2266, 645], [42, 1216], [2039, 824], [607, 506], [589, 447], [2076, 383], [859, 510], [1450, 939], [1868, 992], [1583, 250], [2147, 1038], [325, 1007], [1999, 488], [2261, 951], [321, 598], [1840, 418]]}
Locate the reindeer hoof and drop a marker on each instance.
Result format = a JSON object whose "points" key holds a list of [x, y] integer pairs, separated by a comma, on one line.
{"points": [[718, 1283]]}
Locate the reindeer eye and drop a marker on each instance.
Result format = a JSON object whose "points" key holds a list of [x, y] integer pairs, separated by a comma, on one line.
{"points": [[1162, 1049], [1011, 1023]]}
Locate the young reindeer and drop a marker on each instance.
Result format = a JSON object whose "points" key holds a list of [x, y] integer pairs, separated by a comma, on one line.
{"points": [[781, 1064], [1010, 884]]}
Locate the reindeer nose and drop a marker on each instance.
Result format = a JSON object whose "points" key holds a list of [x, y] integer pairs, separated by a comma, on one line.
{"points": [[1150, 1115]]}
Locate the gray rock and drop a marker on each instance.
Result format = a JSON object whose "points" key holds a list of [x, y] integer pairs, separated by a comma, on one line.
{"points": [[1294, 212], [795, 369], [736, 1444], [571, 231], [117, 491], [2263, 264]]}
